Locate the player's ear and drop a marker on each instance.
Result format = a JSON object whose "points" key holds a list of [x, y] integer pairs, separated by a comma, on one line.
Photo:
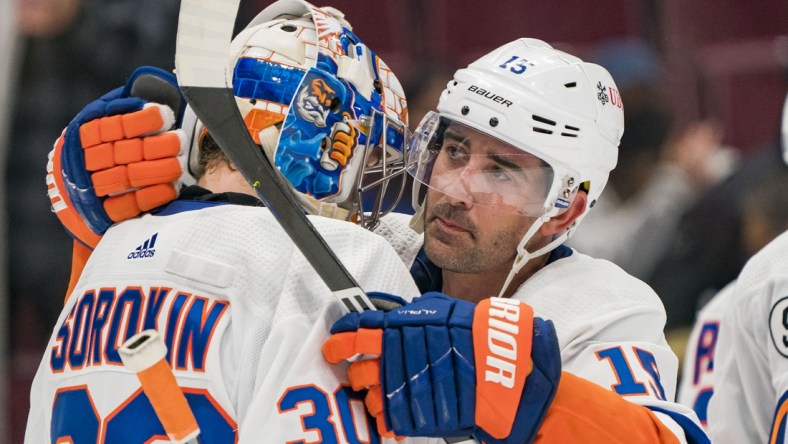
{"points": [[559, 224]]}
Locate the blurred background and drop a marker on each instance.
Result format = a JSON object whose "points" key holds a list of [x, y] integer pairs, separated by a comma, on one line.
{"points": [[702, 81]]}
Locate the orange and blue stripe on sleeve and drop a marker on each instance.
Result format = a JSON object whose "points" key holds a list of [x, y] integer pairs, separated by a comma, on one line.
{"points": [[777, 434]]}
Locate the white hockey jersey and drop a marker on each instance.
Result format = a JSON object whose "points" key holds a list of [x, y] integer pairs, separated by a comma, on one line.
{"points": [[697, 378], [609, 325], [750, 399], [244, 317]]}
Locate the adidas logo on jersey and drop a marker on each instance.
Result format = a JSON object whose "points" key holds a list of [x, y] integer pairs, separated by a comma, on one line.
{"points": [[145, 249]]}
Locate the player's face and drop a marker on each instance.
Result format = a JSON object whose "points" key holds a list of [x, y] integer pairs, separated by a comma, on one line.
{"points": [[467, 230]]}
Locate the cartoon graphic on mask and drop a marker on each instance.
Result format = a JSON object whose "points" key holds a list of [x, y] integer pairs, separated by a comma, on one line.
{"points": [[331, 115], [314, 102], [321, 139]]}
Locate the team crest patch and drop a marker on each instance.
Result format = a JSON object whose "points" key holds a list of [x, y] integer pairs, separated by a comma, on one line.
{"points": [[778, 326]]}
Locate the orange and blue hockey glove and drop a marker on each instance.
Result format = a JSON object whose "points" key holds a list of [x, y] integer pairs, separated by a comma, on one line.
{"points": [[119, 156], [444, 367]]}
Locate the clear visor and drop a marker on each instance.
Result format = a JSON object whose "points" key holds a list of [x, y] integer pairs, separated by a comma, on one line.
{"points": [[471, 166]]}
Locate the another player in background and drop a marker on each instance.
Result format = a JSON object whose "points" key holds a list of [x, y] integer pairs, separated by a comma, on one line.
{"points": [[697, 376], [602, 361], [750, 399], [764, 217]]}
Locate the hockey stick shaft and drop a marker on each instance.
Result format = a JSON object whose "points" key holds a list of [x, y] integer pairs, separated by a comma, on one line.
{"points": [[202, 50], [204, 34], [145, 354]]}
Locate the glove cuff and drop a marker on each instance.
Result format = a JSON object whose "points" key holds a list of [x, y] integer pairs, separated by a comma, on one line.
{"points": [[502, 330]]}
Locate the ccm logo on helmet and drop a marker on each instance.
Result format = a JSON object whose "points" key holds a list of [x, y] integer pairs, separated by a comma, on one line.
{"points": [[490, 95]]}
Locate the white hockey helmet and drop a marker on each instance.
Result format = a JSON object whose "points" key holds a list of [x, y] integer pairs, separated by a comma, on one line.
{"points": [[306, 84], [542, 101]]}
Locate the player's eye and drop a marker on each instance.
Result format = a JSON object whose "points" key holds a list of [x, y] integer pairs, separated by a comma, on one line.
{"points": [[500, 174], [455, 152]]}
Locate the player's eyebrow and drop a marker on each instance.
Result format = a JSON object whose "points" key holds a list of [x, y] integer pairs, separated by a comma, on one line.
{"points": [[531, 161], [502, 160], [457, 136]]}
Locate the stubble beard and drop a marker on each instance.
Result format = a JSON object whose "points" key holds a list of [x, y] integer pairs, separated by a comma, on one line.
{"points": [[466, 252]]}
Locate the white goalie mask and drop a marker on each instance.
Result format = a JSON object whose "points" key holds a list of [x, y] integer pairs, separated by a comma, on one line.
{"points": [[556, 122], [326, 110]]}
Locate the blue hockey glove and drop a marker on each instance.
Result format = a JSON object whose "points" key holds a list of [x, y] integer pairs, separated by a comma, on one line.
{"points": [[446, 367], [118, 157]]}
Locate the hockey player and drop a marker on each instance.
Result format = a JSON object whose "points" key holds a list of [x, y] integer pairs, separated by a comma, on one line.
{"points": [[764, 217], [517, 152], [619, 415], [697, 379], [750, 375], [243, 314], [750, 361]]}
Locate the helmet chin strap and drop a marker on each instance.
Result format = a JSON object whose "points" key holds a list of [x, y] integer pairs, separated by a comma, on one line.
{"points": [[269, 139], [417, 220], [523, 255]]}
